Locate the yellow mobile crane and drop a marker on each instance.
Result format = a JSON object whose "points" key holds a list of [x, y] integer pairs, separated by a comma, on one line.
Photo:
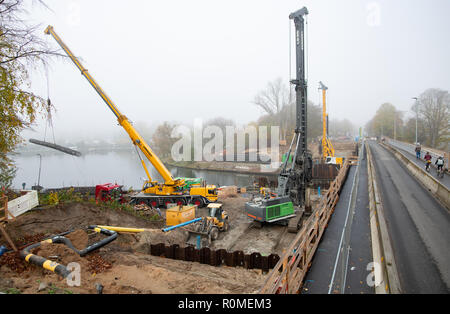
{"points": [[327, 147], [153, 193]]}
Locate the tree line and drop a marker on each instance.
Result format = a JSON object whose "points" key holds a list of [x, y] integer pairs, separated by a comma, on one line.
{"points": [[277, 104], [429, 115]]}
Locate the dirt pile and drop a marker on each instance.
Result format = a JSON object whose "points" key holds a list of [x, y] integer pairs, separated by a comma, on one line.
{"points": [[79, 239], [227, 191], [58, 253], [73, 216]]}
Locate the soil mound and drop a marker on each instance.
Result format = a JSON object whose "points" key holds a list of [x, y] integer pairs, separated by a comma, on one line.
{"points": [[79, 239]]}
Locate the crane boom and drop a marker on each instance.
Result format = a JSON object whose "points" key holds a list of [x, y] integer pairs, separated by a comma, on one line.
{"points": [[122, 119]]}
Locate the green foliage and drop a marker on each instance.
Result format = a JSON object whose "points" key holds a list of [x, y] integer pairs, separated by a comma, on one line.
{"points": [[13, 291], [65, 196], [432, 111], [7, 174], [52, 289], [20, 51]]}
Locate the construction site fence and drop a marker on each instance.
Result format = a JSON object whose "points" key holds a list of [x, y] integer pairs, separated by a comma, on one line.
{"points": [[215, 257], [288, 275]]}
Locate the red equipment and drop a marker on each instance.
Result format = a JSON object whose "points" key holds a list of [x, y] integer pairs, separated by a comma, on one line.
{"points": [[109, 192]]}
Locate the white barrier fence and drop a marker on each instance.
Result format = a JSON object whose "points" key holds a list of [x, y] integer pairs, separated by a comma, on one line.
{"points": [[23, 203]]}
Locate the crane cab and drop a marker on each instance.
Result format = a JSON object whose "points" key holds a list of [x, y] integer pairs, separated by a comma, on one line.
{"points": [[208, 191]]}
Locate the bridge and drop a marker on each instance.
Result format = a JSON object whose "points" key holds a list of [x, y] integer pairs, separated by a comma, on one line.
{"points": [[383, 227]]}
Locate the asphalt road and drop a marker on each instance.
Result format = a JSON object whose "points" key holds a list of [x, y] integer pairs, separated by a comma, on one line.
{"points": [[419, 227], [360, 238], [349, 267]]}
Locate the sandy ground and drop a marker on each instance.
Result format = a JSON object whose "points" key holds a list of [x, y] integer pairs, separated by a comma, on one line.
{"points": [[122, 266]]}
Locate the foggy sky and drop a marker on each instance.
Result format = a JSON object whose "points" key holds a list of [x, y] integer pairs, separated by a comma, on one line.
{"points": [[180, 60]]}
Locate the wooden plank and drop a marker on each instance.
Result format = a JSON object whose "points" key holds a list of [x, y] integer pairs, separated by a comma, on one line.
{"points": [[5, 234]]}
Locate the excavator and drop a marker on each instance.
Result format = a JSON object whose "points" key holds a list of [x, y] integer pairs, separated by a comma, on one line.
{"points": [[291, 203], [173, 190], [327, 147]]}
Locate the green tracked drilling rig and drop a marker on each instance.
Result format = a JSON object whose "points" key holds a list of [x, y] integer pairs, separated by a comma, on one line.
{"points": [[291, 201]]}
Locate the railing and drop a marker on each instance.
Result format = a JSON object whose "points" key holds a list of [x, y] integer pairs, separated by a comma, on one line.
{"points": [[288, 274]]}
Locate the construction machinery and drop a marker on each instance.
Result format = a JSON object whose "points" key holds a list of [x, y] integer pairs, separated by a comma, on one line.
{"points": [[291, 200], [208, 228], [109, 192], [153, 193], [327, 146]]}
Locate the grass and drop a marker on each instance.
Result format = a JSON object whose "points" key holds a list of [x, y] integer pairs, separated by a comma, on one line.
{"points": [[68, 196], [52, 289], [12, 291]]}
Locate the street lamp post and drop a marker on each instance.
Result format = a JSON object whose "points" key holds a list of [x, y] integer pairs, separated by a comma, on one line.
{"points": [[39, 176], [417, 114], [395, 133]]}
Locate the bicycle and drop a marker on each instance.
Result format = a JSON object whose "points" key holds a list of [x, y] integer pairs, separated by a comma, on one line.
{"points": [[440, 172], [427, 166]]}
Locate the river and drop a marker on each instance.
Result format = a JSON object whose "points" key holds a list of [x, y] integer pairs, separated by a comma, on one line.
{"points": [[122, 167]]}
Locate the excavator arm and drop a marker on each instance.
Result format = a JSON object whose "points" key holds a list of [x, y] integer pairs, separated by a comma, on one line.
{"points": [[122, 119]]}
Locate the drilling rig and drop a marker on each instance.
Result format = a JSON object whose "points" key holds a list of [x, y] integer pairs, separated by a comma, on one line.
{"points": [[328, 156], [291, 201]]}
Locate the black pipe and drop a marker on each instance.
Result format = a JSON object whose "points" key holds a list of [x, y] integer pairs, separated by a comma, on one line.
{"points": [[58, 268]]}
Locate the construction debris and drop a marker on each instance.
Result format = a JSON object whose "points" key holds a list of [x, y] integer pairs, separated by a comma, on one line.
{"points": [[228, 191]]}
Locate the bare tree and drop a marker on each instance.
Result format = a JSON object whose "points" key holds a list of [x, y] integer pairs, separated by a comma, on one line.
{"points": [[274, 101], [273, 98], [433, 107], [19, 42]]}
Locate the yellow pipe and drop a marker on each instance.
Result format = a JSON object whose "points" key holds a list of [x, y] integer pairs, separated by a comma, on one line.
{"points": [[50, 265], [123, 229]]}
